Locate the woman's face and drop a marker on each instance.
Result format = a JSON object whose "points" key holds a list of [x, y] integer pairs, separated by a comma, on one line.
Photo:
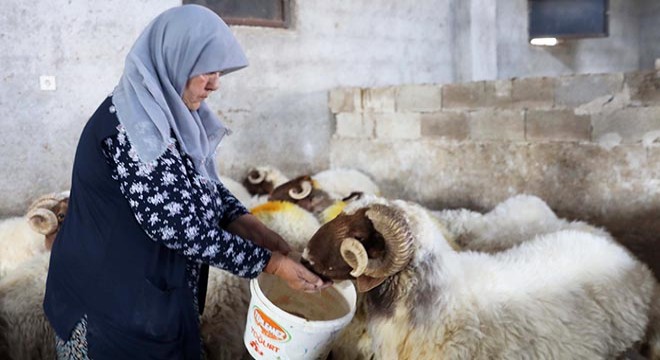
{"points": [[198, 88]]}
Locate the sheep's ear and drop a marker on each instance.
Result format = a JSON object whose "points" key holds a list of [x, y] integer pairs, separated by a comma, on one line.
{"points": [[366, 283]]}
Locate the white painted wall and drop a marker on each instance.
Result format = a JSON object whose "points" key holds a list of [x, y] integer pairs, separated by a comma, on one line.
{"points": [[277, 107], [83, 44], [279, 104]]}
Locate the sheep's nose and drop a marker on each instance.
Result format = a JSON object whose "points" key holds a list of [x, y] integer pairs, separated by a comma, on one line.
{"points": [[309, 267]]}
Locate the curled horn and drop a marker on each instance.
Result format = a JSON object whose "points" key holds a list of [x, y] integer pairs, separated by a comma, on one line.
{"points": [[40, 215], [43, 221], [306, 189], [45, 202], [256, 176], [355, 255], [396, 232]]}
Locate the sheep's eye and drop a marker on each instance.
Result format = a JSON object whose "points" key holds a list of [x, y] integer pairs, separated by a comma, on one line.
{"points": [[60, 216]]}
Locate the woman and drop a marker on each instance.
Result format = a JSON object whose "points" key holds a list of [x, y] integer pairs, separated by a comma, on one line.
{"points": [[147, 212]]}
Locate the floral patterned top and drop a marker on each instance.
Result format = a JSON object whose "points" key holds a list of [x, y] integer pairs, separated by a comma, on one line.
{"points": [[182, 210]]}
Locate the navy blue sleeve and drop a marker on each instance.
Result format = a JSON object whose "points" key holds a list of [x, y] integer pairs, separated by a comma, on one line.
{"points": [[180, 209]]}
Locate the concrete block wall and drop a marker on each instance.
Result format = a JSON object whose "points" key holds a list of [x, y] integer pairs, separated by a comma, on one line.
{"points": [[587, 144], [589, 109]]}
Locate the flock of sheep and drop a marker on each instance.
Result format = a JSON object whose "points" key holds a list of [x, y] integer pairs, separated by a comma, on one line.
{"points": [[513, 283]]}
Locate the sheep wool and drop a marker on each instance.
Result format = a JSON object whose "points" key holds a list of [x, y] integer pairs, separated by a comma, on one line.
{"points": [[562, 295], [517, 219], [18, 243], [331, 211], [237, 189], [273, 175], [24, 330], [295, 224], [224, 317], [340, 183]]}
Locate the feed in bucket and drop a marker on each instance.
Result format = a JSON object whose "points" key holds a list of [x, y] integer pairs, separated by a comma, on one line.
{"points": [[286, 324]]}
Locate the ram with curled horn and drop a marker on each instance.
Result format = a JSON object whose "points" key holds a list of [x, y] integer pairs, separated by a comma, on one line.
{"points": [[25, 333], [262, 180], [559, 295], [23, 237], [46, 215], [385, 251], [303, 192]]}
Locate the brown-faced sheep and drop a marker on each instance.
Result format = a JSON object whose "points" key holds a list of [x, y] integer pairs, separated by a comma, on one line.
{"points": [[303, 192], [317, 192], [566, 294], [261, 180]]}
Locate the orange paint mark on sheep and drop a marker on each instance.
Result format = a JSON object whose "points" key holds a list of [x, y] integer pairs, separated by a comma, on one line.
{"points": [[271, 206]]}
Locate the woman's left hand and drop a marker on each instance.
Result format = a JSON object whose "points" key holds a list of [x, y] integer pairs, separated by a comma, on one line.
{"points": [[249, 227]]}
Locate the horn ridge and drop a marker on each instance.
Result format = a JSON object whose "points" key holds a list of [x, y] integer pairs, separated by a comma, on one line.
{"points": [[305, 190], [42, 221], [48, 201], [355, 255], [395, 229], [258, 179]]}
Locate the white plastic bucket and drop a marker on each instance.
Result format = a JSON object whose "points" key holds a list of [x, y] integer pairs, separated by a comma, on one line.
{"points": [[273, 333]]}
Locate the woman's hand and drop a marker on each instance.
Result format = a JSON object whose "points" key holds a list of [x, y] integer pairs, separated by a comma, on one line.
{"points": [[295, 274], [249, 227]]}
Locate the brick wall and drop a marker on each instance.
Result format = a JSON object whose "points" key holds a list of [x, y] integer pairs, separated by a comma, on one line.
{"points": [[624, 108], [587, 144]]}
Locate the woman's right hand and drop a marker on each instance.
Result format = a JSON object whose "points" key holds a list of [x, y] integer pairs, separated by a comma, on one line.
{"points": [[294, 273]]}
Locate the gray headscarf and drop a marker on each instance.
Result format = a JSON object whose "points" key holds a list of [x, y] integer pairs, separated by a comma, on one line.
{"points": [[180, 43]]}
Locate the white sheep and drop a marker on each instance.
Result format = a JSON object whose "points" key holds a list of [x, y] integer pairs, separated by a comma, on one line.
{"points": [[26, 242], [238, 190], [23, 237], [18, 243], [513, 221], [242, 194], [228, 296], [25, 333], [295, 224], [561, 295], [340, 183]]}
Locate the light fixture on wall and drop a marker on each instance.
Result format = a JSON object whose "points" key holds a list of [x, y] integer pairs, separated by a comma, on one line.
{"points": [[553, 21], [544, 41]]}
